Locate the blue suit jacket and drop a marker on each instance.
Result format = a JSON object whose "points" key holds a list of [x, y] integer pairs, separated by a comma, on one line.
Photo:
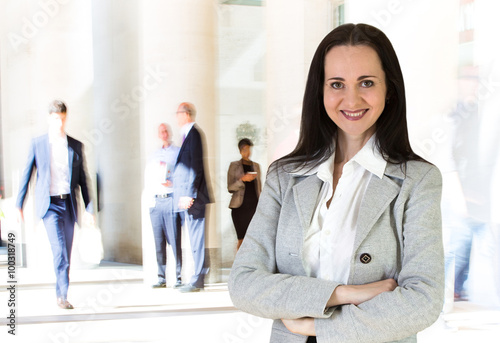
{"points": [[189, 174], [39, 158]]}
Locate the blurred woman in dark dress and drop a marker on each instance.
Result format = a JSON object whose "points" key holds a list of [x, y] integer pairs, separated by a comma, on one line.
{"points": [[243, 181]]}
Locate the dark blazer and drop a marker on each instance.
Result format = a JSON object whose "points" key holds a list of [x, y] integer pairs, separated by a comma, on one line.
{"points": [[236, 186], [39, 158], [189, 174]]}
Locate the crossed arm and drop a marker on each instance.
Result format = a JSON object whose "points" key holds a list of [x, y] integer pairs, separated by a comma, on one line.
{"points": [[342, 295]]}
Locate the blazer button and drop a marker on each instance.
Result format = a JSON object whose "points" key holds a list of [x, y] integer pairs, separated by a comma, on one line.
{"points": [[365, 258]]}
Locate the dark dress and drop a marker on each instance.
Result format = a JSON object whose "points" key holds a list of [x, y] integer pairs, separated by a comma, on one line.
{"points": [[243, 214]]}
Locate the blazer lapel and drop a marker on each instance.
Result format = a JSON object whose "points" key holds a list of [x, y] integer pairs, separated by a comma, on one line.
{"points": [[181, 150], [305, 194], [184, 143], [71, 153], [379, 194]]}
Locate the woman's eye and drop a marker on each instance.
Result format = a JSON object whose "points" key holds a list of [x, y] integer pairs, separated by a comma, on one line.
{"points": [[336, 85], [367, 83]]}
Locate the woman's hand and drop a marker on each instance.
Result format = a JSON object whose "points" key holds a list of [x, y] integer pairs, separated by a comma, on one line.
{"points": [[357, 294], [301, 326], [248, 177]]}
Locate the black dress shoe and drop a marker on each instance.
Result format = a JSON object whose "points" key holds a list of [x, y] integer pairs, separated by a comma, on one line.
{"points": [[159, 285], [178, 284], [64, 304], [189, 289]]}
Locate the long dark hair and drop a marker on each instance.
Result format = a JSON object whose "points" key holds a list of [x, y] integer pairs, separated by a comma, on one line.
{"points": [[318, 132]]}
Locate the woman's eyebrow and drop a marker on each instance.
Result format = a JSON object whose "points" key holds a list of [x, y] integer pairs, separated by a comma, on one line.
{"points": [[359, 78]]}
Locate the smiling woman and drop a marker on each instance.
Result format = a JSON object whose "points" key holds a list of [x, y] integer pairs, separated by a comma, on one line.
{"points": [[324, 254]]}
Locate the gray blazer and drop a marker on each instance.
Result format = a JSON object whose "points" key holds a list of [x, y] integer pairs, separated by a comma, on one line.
{"points": [[236, 186], [399, 226]]}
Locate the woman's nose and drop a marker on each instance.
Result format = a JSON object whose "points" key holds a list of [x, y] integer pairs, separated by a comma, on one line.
{"points": [[352, 97]]}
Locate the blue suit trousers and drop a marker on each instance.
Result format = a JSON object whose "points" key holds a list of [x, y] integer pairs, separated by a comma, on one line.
{"points": [[166, 230], [195, 220], [60, 226]]}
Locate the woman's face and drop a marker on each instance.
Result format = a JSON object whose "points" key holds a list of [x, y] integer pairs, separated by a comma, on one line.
{"points": [[245, 152], [355, 89]]}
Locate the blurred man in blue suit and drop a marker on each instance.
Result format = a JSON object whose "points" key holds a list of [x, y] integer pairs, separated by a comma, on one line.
{"points": [[160, 191], [191, 192], [60, 170]]}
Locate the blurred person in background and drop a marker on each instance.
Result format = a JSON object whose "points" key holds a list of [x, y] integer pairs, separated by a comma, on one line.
{"points": [[243, 181], [495, 227], [60, 173], [191, 193], [467, 211], [160, 189]]}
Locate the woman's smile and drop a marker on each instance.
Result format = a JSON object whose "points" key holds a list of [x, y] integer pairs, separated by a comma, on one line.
{"points": [[354, 115]]}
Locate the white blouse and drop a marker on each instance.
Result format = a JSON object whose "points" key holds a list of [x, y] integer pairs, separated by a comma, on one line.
{"points": [[330, 239]]}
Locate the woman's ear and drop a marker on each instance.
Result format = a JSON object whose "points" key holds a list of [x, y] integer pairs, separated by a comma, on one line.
{"points": [[388, 95]]}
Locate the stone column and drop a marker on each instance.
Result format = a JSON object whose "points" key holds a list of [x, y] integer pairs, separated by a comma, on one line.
{"points": [[115, 137], [46, 53], [295, 29], [178, 44], [241, 106]]}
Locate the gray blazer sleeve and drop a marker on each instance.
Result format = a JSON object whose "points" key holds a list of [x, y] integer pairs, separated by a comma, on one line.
{"points": [[234, 173], [256, 285]]}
